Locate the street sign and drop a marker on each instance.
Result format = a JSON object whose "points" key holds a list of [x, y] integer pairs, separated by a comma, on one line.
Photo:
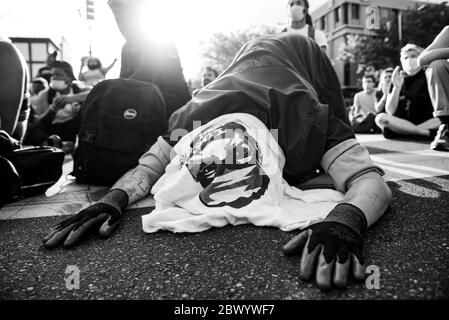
{"points": [[90, 10]]}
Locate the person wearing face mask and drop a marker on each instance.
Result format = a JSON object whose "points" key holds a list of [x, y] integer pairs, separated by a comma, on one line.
{"points": [[56, 109], [301, 22], [408, 109], [364, 109], [92, 71]]}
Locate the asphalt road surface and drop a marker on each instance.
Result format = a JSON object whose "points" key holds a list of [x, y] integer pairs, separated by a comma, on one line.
{"points": [[409, 246]]}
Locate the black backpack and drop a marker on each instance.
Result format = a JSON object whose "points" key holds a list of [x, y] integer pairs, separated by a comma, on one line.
{"points": [[120, 120]]}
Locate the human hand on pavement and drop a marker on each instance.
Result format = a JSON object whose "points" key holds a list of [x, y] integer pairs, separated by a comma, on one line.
{"points": [[330, 251], [102, 218]]}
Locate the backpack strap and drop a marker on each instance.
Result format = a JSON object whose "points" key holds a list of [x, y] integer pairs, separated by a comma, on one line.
{"points": [[311, 32]]}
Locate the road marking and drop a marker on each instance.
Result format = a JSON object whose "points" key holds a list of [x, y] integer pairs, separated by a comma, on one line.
{"points": [[430, 153], [407, 173], [411, 166]]}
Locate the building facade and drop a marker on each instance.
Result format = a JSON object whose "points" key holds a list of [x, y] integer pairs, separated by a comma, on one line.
{"points": [[35, 51], [340, 18]]}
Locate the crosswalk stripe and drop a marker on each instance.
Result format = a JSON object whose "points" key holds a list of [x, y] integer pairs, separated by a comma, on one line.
{"points": [[407, 165], [405, 172]]}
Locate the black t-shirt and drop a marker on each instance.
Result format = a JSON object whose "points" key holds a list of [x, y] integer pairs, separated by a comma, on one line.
{"points": [[414, 101]]}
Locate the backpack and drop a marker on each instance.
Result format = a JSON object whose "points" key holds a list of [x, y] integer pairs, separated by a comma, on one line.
{"points": [[29, 171], [120, 121]]}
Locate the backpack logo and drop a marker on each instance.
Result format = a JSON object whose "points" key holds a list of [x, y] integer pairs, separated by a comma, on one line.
{"points": [[130, 114]]}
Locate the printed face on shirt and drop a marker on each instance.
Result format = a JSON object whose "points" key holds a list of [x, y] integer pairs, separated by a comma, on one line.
{"points": [[226, 161]]}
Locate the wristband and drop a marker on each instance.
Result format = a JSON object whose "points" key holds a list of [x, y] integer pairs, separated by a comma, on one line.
{"points": [[349, 215]]}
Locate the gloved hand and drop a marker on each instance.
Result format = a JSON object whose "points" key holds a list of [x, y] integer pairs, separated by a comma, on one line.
{"points": [[331, 250], [100, 217], [7, 143]]}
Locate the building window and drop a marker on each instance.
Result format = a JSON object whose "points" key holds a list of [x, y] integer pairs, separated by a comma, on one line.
{"points": [[323, 23], [355, 11], [337, 15], [345, 13]]}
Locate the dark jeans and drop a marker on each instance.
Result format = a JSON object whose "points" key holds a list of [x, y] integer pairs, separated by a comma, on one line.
{"points": [[39, 131]]}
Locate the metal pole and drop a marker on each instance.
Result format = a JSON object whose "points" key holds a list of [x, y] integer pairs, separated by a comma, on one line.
{"points": [[400, 28], [90, 41]]}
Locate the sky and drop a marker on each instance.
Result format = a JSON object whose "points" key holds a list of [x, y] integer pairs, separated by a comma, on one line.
{"points": [[187, 22]]}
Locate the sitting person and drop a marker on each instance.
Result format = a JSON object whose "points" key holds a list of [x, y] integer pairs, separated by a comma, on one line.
{"points": [[384, 88], [95, 71], [436, 58], [282, 82], [364, 108], [56, 109], [408, 109]]}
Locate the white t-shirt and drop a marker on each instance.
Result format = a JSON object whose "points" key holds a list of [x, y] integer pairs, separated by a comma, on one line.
{"points": [[320, 36], [252, 192]]}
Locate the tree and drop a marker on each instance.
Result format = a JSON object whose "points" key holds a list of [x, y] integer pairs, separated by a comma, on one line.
{"points": [[221, 48], [420, 26]]}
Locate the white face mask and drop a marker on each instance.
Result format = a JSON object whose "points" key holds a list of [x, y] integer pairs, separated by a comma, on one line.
{"points": [[58, 85], [297, 12], [410, 65]]}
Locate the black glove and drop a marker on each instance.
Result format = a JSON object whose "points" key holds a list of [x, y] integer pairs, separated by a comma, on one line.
{"points": [[100, 217], [7, 143], [331, 248]]}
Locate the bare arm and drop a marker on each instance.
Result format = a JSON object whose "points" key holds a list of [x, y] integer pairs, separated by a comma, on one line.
{"points": [[392, 102], [380, 105], [106, 70], [438, 49], [356, 104], [432, 55], [393, 98]]}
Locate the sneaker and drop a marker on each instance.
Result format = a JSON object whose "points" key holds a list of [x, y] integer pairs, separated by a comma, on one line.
{"points": [[441, 141], [53, 141]]}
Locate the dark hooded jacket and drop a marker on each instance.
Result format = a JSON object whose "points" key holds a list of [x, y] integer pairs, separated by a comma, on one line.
{"points": [[287, 82]]}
